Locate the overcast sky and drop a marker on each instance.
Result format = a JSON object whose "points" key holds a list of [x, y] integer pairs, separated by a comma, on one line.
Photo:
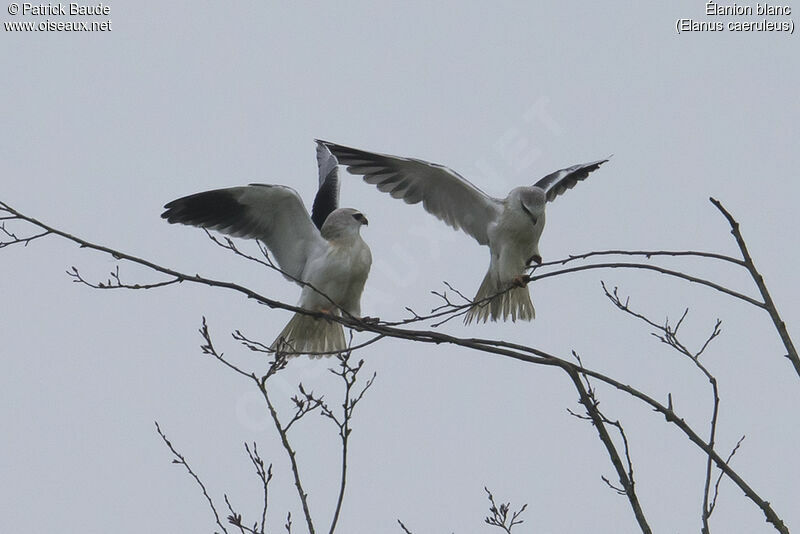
{"points": [[99, 129]]}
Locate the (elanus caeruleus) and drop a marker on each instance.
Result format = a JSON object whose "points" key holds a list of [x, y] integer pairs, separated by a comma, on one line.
{"points": [[510, 227], [323, 253]]}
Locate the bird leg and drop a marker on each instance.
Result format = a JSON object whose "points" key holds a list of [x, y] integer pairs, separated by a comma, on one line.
{"points": [[519, 281]]}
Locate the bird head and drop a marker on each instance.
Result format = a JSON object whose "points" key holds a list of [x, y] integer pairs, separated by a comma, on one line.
{"points": [[531, 200], [343, 222]]}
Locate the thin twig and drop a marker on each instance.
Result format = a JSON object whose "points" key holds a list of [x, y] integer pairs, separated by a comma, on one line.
{"points": [[115, 282], [229, 244], [262, 385], [265, 475], [405, 529], [721, 474], [625, 475], [669, 335], [769, 305], [349, 375], [647, 267], [498, 514], [646, 253], [179, 459]]}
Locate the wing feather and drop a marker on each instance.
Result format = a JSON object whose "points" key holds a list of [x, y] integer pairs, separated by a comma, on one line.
{"points": [[556, 183], [327, 199], [273, 214], [443, 192]]}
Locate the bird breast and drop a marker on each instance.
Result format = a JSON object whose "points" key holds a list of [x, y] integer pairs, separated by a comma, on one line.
{"points": [[340, 274], [515, 227], [513, 240]]}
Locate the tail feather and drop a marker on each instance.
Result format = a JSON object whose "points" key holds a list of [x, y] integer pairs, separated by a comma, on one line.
{"points": [[307, 335], [514, 303]]}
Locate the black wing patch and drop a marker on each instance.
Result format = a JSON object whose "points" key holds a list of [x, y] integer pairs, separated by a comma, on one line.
{"points": [[218, 209], [556, 183], [327, 198]]}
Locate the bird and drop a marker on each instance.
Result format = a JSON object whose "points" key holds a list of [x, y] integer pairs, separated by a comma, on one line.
{"points": [[510, 227], [323, 253]]}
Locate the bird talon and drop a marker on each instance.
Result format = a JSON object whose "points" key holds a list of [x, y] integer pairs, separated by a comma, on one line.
{"points": [[534, 259], [519, 281]]}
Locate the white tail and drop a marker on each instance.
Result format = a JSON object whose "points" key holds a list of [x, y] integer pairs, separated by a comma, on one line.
{"points": [[305, 334], [514, 303]]}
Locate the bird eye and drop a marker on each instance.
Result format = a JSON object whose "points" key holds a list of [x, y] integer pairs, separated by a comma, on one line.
{"points": [[360, 218]]}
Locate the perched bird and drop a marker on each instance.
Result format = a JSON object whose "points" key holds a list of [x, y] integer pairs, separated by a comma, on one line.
{"points": [[323, 253], [510, 227]]}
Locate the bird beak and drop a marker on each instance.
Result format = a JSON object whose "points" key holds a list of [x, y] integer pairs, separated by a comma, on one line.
{"points": [[364, 221]]}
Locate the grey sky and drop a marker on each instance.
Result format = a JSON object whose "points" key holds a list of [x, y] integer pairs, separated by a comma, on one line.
{"points": [[99, 130]]}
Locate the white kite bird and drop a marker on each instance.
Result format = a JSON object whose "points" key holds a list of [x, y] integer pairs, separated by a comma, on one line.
{"points": [[510, 227], [323, 253]]}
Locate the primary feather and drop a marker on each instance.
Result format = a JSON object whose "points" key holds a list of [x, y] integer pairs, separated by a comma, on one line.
{"points": [[327, 198], [443, 192]]}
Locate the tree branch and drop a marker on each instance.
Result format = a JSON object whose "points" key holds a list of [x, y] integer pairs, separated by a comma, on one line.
{"points": [[349, 375], [646, 253], [589, 402], [282, 431], [515, 351], [498, 514], [179, 459], [769, 305], [647, 267], [669, 336]]}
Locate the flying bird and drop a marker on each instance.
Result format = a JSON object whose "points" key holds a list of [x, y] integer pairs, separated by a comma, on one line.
{"points": [[510, 227], [323, 253]]}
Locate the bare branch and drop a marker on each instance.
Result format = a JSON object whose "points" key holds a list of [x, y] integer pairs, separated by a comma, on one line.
{"points": [[719, 478], [769, 305], [349, 375], [498, 347], [114, 281], [208, 348], [257, 346], [265, 475], [646, 253], [235, 518], [498, 514], [669, 336], [647, 267], [405, 529], [228, 244], [590, 402], [179, 459], [282, 432], [13, 239]]}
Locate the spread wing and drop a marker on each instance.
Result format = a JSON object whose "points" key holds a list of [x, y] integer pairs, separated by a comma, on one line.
{"points": [[556, 183], [442, 191], [327, 198], [273, 214]]}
